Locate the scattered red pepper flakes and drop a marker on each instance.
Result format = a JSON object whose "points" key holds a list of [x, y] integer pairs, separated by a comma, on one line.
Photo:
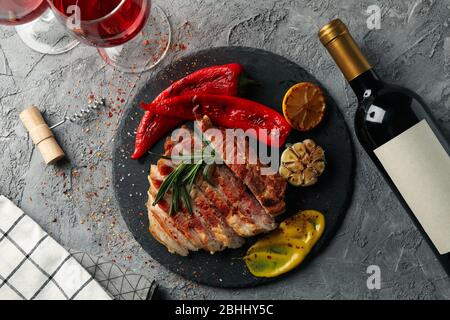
{"points": [[179, 47], [91, 98]]}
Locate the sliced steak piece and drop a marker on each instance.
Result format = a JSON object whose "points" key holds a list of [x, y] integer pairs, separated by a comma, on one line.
{"points": [[269, 190], [193, 239], [212, 220], [208, 222], [199, 220], [245, 207], [160, 230], [162, 237], [219, 226], [194, 227], [241, 224], [230, 197], [165, 232]]}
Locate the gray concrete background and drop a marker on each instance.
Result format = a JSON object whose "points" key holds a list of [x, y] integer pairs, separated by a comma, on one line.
{"points": [[74, 201]]}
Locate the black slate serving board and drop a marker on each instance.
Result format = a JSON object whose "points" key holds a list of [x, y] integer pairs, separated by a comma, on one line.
{"points": [[275, 76]]}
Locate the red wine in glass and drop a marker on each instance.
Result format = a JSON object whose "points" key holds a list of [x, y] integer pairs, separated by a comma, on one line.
{"points": [[106, 23], [15, 12], [131, 35]]}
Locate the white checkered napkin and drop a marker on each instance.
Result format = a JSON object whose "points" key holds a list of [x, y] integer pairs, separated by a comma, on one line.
{"points": [[34, 266]]}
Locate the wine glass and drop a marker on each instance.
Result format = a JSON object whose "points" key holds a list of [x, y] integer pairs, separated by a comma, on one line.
{"points": [[131, 35], [36, 25]]}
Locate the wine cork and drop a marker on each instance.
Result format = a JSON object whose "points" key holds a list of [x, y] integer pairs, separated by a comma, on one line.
{"points": [[41, 135]]}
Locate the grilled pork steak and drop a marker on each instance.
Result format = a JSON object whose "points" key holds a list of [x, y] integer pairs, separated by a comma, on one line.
{"points": [[224, 209], [269, 190]]}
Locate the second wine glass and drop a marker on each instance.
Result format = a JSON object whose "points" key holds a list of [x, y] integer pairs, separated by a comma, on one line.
{"points": [[36, 25], [131, 35]]}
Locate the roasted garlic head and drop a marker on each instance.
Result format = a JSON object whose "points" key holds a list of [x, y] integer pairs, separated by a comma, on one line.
{"points": [[303, 163]]}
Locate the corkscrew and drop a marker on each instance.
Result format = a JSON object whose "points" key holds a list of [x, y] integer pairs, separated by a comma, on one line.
{"points": [[42, 134], [92, 107]]}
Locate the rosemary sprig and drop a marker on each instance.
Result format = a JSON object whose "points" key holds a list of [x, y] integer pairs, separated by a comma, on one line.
{"points": [[207, 171], [186, 200], [180, 182], [173, 202], [182, 179], [169, 182], [189, 179]]}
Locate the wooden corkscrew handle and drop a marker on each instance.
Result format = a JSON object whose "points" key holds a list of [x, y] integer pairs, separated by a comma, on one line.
{"points": [[41, 135]]}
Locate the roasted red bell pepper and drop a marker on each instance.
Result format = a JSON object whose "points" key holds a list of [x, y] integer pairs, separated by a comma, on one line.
{"points": [[229, 112], [221, 80]]}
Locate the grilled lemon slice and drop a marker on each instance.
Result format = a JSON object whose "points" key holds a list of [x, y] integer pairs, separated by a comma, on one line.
{"points": [[304, 106]]}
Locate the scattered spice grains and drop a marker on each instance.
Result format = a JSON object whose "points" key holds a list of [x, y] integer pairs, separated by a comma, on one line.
{"points": [[85, 182], [179, 47]]}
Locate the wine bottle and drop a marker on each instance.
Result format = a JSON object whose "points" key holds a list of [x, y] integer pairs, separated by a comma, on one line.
{"points": [[397, 130]]}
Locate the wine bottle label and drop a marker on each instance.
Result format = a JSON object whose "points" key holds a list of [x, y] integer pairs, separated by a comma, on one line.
{"points": [[419, 166]]}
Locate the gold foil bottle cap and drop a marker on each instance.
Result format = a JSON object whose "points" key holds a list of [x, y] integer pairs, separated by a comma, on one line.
{"points": [[331, 31], [41, 135], [344, 50]]}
